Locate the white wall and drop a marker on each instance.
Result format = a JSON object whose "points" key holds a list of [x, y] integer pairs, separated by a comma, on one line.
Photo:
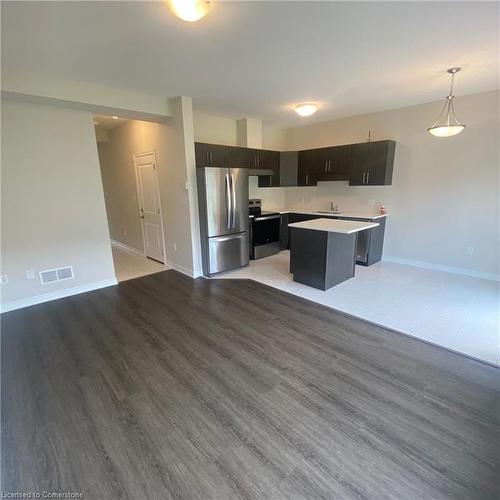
{"points": [[445, 191], [53, 211], [221, 130], [116, 157], [215, 129]]}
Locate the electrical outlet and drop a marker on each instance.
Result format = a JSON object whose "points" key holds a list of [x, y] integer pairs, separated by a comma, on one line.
{"points": [[469, 250], [371, 203], [4, 279], [30, 274], [175, 247]]}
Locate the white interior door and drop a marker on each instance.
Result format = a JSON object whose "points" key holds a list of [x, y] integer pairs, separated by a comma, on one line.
{"points": [[149, 204]]}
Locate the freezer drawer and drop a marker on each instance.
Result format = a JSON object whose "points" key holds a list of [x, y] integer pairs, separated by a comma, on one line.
{"points": [[227, 252]]}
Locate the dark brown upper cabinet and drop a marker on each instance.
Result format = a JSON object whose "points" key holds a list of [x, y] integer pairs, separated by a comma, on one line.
{"points": [[365, 164], [269, 160], [371, 163], [332, 163], [211, 155], [306, 172]]}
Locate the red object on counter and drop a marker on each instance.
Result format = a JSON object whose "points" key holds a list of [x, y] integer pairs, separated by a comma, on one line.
{"points": [[382, 210]]}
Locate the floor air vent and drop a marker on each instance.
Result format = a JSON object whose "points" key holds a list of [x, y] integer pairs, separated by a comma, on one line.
{"points": [[53, 275]]}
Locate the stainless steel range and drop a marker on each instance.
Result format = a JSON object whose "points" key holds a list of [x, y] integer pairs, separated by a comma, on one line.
{"points": [[264, 230]]}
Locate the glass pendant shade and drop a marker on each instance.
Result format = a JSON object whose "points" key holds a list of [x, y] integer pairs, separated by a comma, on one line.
{"points": [[447, 124]]}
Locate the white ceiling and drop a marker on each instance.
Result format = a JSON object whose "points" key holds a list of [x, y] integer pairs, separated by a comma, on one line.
{"points": [[258, 59]]}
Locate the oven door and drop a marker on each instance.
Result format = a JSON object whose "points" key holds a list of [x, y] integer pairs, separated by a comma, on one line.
{"points": [[266, 235]]}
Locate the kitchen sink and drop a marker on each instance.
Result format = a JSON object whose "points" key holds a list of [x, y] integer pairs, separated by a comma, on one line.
{"points": [[330, 212]]}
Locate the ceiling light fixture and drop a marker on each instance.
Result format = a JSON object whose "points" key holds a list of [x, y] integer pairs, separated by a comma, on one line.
{"points": [[114, 117], [189, 10], [96, 123], [306, 109], [449, 125]]}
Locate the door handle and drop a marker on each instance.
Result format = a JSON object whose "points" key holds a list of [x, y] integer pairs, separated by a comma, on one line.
{"points": [[228, 201], [326, 166], [307, 179], [367, 177], [233, 202]]}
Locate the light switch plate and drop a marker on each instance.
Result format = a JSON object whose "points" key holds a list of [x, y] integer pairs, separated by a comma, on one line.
{"points": [[30, 274], [4, 279]]}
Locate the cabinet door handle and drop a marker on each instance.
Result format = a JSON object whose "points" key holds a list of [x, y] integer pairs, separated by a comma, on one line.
{"points": [[364, 175], [330, 165], [307, 179], [367, 177], [207, 158], [326, 166]]}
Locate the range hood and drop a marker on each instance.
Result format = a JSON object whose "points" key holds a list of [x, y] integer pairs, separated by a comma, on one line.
{"points": [[260, 172]]}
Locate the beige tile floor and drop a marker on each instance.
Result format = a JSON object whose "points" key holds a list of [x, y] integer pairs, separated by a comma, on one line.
{"points": [[457, 312], [129, 265]]}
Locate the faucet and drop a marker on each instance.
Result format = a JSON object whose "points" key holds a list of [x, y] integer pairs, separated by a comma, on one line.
{"points": [[333, 208]]}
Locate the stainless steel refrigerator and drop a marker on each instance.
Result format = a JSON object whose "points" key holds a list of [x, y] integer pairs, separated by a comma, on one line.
{"points": [[223, 205]]}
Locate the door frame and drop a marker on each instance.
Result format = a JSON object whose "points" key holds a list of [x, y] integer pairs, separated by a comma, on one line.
{"points": [[139, 200]]}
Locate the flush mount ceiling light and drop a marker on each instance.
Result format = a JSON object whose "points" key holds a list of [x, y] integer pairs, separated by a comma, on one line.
{"points": [[189, 10], [447, 124], [114, 117], [306, 109]]}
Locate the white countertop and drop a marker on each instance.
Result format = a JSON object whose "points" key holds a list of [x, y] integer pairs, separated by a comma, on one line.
{"points": [[355, 215], [334, 225]]}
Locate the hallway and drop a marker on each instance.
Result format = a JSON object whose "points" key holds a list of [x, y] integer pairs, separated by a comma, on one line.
{"points": [[128, 265]]}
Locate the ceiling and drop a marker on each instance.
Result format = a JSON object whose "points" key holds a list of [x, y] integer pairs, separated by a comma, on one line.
{"points": [[107, 122], [258, 59]]}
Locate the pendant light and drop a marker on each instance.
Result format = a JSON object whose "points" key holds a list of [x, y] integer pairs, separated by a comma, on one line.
{"points": [[447, 124]]}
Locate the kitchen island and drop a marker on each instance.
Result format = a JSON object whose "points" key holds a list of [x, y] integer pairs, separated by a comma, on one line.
{"points": [[323, 251]]}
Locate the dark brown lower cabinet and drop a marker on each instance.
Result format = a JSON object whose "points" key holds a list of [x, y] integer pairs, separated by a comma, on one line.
{"points": [[370, 243], [284, 221]]}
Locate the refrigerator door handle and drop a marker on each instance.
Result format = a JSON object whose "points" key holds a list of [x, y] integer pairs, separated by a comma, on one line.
{"points": [[233, 201], [229, 208]]}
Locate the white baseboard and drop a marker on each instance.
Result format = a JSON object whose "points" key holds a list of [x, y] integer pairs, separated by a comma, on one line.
{"points": [[59, 294], [181, 269], [439, 267], [127, 248]]}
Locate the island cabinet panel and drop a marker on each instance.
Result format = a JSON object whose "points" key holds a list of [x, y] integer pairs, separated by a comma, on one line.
{"points": [[321, 259], [293, 217], [211, 155], [371, 163]]}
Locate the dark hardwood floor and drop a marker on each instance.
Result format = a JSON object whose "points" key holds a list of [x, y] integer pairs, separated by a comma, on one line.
{"points": [[167, 387]]}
